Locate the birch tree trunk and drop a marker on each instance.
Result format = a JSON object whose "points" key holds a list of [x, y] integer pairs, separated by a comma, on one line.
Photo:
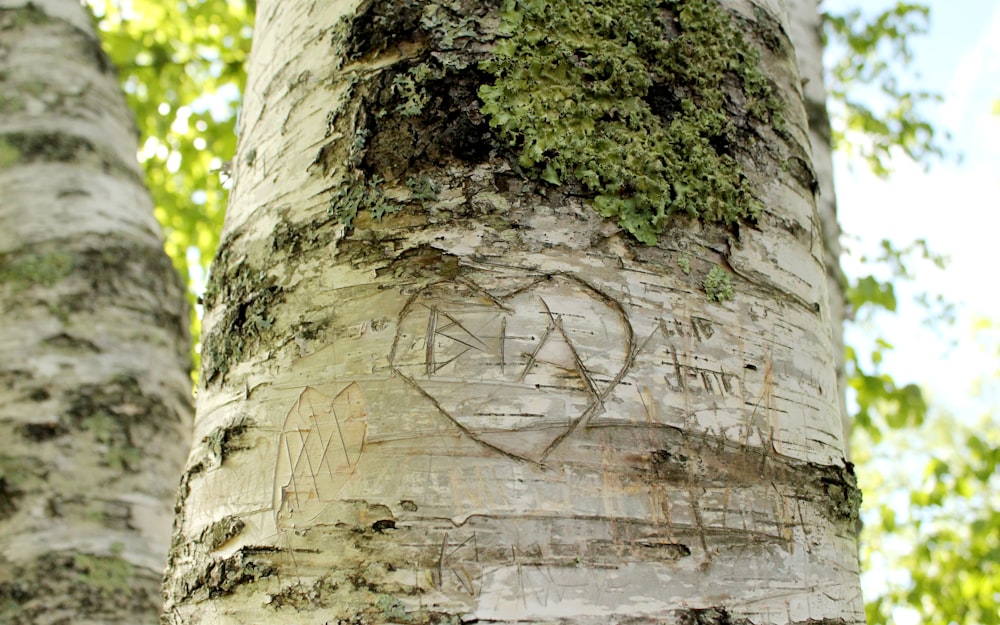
{"points": [[805, 31], [94, 352], [438, 386]]}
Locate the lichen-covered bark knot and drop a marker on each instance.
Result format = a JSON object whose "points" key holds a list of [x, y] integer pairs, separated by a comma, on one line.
{"points": [[540, 357]]}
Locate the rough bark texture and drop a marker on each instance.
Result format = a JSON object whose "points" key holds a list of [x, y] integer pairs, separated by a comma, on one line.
{"points": [[805, 31], [95, 403], [493, 404]]}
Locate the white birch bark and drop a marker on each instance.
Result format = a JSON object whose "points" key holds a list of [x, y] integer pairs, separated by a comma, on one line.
{"points": [[805, 31], [495, 405], [94, 386]]}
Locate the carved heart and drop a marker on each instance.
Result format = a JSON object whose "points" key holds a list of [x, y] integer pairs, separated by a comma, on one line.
{"points": [[517, 371]]}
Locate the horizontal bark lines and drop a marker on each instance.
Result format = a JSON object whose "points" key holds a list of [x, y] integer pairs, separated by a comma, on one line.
{"points": [[492, 403], [94, 348]]}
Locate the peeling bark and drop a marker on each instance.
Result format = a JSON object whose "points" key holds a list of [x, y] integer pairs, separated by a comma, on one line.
{"points": [[487, 402]]}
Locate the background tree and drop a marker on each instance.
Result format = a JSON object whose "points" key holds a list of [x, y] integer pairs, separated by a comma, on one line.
{"points": [[94, 386], [437, 384]]}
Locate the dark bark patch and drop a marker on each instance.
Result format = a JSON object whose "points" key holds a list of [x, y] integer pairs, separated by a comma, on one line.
{"points": [[8, 498], [41, 432], [71, 343], [706, 461], [382, 525], [249, 296], [39, 394], [20, 148], [412, 117], [709, 616], [221, 532], [670, 466], [819, 120], [652, 551], [664, 101], [49, 146], [802, 172], [434, 125], [381, 24], [120, 415], [114, 271], [19, 17], [223, 577], [90, 274], [843, 496], [320, 594], [226, 439], [183, 491], [90, 587], [770, 32], [422, 262], [11, 378]]}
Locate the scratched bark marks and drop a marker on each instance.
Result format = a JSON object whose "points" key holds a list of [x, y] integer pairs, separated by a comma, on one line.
{"points": [[536, 362], [321, 443], [554, 423], [537, 420]]}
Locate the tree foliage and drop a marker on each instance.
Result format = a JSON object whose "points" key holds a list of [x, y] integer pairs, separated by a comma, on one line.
{"points": [[880, 402], [937, 512], [874, 111]]}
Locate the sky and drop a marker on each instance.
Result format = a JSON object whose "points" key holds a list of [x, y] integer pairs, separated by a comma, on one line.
{"points": [[953, 204]]}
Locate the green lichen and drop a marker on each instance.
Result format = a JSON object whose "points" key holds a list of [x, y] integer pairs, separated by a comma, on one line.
{"points": [[627, 99], [409, 87], [9, 154], [119, 414], [360, 196], [28, 270], [423, 188], [391, 607], [15, 469], [109, 574], [358, 193], [718, 285], [120, 452], [249, 295], [17, 475], [92, 588]]}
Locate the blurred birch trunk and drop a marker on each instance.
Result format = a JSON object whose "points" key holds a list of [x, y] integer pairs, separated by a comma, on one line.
{"points": [[95, 407]]}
